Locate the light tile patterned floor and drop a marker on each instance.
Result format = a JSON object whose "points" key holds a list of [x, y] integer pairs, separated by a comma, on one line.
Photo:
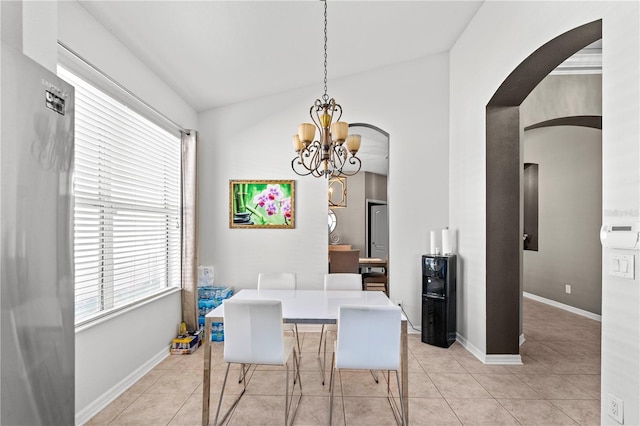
{"points": [[559, 384]]}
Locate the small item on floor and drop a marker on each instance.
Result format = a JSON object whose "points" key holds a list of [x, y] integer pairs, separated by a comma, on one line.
{"points": [[186, 343]]}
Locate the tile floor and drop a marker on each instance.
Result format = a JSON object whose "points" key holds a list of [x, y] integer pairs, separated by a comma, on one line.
{"points": [[559, 384]]}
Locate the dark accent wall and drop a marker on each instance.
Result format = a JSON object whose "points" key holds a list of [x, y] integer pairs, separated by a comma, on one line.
{"points": [[593, 121], [503, 230], [540, 63], [503, 168]]}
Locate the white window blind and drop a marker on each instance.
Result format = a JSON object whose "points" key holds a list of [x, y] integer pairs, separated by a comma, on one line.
{"points": [[127, 204]]}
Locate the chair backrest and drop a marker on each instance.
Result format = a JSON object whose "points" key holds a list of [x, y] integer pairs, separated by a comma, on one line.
{"points": [[277, 281], [368, 337], [253, 331], [344, 261], [342, 282]]}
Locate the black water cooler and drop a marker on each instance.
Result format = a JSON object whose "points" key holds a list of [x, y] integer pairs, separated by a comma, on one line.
{"points": [[439, 300]]}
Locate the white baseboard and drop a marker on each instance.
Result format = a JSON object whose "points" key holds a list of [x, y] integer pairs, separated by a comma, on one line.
{"points": [[84, 415], [503, 359], [489, 359], [562, 306], [470, 347]]}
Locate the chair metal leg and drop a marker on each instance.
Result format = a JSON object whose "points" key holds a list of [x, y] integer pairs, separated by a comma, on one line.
{"points": [[244, 369], [235, 403], [320, 343], [398, 412], [324, 357], [289, 398], [331, 385], [295, 327], [404, 416], [374, 373]]}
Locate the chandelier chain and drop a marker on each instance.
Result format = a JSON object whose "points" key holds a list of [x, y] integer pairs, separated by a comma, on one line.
{"points": [[325, 97]]}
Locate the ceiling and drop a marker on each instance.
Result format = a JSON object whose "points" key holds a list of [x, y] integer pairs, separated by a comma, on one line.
{"points": [[216, 53]]}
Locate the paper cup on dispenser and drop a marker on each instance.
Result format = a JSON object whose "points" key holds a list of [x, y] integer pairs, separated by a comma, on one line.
{"points": [[432, 247], [446, 241]]}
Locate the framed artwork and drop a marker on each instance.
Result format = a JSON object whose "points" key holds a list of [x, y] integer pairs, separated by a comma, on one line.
{"points": [[261, 203]]}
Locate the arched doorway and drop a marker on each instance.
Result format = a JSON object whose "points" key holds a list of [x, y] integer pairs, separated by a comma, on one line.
{"points": [[503, 177]]}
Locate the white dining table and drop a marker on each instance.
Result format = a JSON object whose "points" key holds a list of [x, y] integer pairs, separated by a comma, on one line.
{"points": [[306, 307]]}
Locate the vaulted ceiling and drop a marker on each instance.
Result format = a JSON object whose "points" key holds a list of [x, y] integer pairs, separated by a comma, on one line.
{"points": [[216, 53]]}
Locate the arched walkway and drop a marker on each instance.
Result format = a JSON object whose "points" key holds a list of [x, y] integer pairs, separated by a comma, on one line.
{"points": [[503, 175]]}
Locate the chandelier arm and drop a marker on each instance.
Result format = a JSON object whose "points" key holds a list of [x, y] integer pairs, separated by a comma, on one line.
{"points": [[338, 108], [317, 106], [294, 165], [352, 161], [338, 158], [308, 158], [312, 154]]}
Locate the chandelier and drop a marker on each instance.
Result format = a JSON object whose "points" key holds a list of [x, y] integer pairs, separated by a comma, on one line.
{"points": [[334, 149]]}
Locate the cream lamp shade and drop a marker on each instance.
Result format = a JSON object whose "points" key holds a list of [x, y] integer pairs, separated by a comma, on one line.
{"points": [[353, 143], [306, 132]]}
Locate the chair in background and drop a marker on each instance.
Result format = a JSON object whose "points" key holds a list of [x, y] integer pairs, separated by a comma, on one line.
{"points": [[280, 281], [377, 281], [253, 334], [369, 339], [276, 281], [343, 281], [344, 261], [339, 281]]}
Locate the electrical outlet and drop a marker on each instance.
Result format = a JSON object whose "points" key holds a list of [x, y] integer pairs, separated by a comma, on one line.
{"points": [[567, 288], [615, 408], [398, 302]]}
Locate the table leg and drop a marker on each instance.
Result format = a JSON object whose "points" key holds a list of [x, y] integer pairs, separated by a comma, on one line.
{"points": [[404, 366], [206, 386]]}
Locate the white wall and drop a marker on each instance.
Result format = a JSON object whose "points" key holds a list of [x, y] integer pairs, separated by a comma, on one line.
{"points": [[501, 35], [113, 354], [251, 140]]}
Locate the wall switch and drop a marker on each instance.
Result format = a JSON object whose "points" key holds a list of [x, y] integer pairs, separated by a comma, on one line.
{"points": [[615, 408], [567, 288], [622, 265]]}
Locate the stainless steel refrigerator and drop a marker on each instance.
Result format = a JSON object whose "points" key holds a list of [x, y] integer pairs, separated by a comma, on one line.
{"points": [[36, 269]]}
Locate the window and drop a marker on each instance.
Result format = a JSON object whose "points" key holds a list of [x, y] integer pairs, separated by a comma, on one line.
{"points": [[127, 205]]}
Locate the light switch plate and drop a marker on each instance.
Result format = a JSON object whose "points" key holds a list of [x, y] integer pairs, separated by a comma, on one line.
{"points": [[622, 265]]}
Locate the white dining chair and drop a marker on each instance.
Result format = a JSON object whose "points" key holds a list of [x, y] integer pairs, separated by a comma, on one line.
{"points": [[341, 281], [254, 334], [280, 281], [277, 281], [369, 339]]}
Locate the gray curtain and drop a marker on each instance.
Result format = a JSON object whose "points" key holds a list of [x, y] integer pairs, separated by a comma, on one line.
{"points": [[189, 230]]}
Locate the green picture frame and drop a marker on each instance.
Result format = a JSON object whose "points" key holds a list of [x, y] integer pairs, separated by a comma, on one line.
{"points": [[255, 204]]}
